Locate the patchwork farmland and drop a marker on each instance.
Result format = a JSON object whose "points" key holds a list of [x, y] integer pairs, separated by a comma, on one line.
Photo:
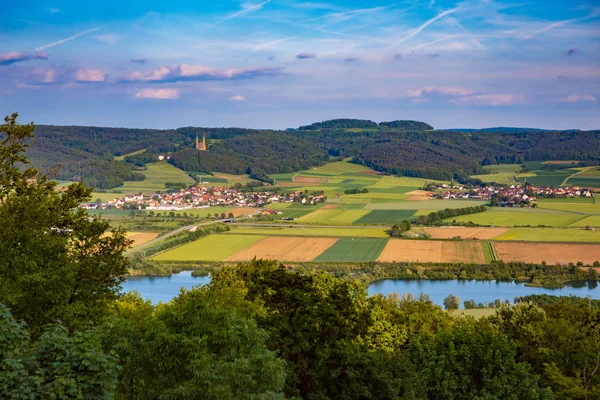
{"points": [[354, 227]]}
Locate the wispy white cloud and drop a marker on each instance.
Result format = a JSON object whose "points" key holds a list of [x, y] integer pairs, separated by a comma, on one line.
{"points": [[238, 97], [158, 94], [443, 91], [490, 99], [47, 46], [463, 96], [53, 10], [347, 15], [108, 39], [576, 98], [246, 9]]}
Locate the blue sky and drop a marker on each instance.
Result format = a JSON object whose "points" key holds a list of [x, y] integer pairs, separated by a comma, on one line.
{"points": [[284, 63]]}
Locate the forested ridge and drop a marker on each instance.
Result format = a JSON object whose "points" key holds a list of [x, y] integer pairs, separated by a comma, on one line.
{"points": [[259, 330], [406, 148]]}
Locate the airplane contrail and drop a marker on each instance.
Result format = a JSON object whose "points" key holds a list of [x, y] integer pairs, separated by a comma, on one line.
{"points": [[46, 46], [269, 44], [434, 42], [547, 28], [427, 23], [247, 10]]}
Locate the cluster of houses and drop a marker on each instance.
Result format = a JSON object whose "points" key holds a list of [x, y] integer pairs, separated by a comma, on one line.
{"points": [[202, 197], [507, 195]]}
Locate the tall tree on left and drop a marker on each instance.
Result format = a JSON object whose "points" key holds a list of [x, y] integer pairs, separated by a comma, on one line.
{"points": [[56, 261]]}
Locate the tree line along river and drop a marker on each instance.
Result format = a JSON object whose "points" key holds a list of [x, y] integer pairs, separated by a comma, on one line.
{"points": [[165, 288]]}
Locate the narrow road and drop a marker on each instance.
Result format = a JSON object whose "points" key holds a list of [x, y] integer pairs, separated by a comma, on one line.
{"points": [[282, 225], [175, 232], [570, 176]]}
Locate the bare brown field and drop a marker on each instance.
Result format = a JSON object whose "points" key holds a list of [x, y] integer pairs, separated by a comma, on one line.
{"points": [[142, 237], [432, 251], [285, 249], [329, 206], [369, 172], [308, 179], [465, 233], [238, 211], [551, 253], [418, 195]]}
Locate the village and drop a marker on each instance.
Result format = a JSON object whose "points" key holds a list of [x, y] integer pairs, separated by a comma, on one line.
{"points": [[203, 197], [505, 196]]}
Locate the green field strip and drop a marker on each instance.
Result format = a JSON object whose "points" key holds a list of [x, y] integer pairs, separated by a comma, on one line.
{"points": [[592, 220], [516, 218], [393, 189], [489, 252], [385, 216], [333, 217], [550, 235], [209, 248], [584, 208], [353, 250], [312, 232], [425, 205]]}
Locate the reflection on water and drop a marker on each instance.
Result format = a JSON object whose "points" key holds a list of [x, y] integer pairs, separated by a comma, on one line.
{"points": [[481, 291], [165, 288]]}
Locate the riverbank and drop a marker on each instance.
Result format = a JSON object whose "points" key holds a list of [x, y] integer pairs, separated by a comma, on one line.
{"points": [[533, 275]]}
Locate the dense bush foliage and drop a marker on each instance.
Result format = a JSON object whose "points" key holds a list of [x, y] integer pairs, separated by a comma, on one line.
{"points": [[435, 218]]}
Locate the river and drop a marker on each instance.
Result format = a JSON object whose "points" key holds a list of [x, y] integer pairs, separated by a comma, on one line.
{"points": [[165, 288]]}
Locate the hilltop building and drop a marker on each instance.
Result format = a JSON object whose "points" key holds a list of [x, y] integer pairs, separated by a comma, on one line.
{"points": [[201, 145]]}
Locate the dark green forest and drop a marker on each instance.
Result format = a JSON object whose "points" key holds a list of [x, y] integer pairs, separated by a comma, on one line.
{"points": [[407, 148], [257, 331]]}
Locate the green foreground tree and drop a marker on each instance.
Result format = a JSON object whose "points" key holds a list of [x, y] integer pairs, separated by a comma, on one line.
{"points": [[56, 366], [56, 261]]}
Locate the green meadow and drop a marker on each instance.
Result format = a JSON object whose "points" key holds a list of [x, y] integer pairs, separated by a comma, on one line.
{"points": [[551, 235], [209, 248], [519, 217], [353, 250]]}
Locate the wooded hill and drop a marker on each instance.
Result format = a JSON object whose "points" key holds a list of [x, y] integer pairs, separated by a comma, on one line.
{"points": [[408, 148]]}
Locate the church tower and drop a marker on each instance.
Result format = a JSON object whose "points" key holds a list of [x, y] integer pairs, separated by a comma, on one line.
{"points": [[201, 146]]}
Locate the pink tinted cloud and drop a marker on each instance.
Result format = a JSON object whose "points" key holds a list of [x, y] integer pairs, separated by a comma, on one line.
{"points": [[186, 72], [576, 98], [159, 94], [90, 75]]}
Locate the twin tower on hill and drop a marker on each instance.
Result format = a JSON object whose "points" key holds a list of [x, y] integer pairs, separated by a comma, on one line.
{"points": [[201, 145]]}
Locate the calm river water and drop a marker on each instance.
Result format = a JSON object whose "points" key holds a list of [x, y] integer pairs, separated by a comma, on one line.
{"points": [[165, 288]]}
